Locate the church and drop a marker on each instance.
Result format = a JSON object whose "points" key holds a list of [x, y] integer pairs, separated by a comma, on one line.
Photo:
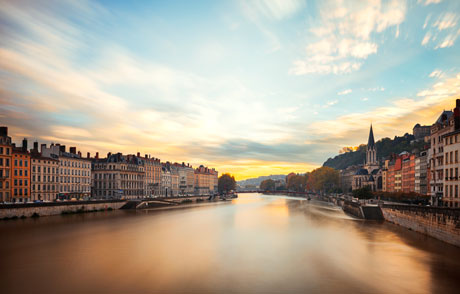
{"points": [[370, 174]]}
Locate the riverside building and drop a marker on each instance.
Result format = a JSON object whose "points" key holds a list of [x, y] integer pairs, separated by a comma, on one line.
{"points": [[441, 127], [118, 177], [44, 176], [451, 165], [6, 157], [20, 189], [74, 171]]}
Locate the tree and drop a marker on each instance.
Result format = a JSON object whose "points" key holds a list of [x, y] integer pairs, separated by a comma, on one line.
{"points": [[226, 183], [267, 185], [363, 193], [297, 183], [323, 179]]}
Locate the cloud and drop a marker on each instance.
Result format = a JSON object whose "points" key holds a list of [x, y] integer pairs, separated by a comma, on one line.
{"points": [[342, 41], [275, 9], [344, 92], [375, 89], [364, 99], [446, 21], [388, 121], [436, 74], [330, 103], [428, 2], [444, 30]]}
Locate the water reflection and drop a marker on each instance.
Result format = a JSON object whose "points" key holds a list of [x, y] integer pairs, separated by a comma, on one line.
{"points": [[261, 244]]}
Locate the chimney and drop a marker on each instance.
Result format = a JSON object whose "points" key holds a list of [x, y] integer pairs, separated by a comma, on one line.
{"points": [[97, 155], [73, 150], [24, 145], [88, 155], [35, 146], [3, 131], [79, 154], [109, 154], [138, 154], [61, 148], [146, 156]]}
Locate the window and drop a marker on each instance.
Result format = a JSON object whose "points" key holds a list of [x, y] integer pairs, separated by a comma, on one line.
{"points": [[26, 163], [451, 157], [456, 191], [456, 156], [447, 157]]}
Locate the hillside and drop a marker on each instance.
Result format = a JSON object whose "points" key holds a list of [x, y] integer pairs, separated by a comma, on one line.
{"points": [[257, 181], [385, 147]]}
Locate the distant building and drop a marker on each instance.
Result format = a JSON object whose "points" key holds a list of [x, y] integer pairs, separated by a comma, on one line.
{"points": [[152, 168], [420, 132], [166, 184], [205, 181], [346, 177]]}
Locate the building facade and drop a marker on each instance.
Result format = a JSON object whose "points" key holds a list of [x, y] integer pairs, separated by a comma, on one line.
{"points": [[186, 180], [44, 177], [20, 189], [6, 157], [421, 173], [74, 171], [441, 127], [451, 142], [152, 167], [165, 185], [118, 177]]}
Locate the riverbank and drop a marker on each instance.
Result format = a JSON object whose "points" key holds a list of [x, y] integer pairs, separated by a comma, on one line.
{"points": [[25, 210]]}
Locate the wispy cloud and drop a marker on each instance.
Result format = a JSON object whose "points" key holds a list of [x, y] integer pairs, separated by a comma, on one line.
{"points": [[344, 92], [344, 36], [436, 74]]}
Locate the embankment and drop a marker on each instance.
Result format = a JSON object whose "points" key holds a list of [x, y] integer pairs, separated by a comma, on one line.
{"points": [[438, 222], [55, 208]]}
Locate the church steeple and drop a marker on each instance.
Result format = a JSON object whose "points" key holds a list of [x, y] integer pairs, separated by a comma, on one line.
{"points": [[371, 156], [370, 142]]}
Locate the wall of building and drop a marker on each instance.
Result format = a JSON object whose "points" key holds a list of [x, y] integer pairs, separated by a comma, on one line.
{"points": [[438, 222], [45, 209]]}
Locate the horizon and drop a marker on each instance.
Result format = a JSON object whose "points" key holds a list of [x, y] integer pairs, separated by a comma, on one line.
{"points": [[249, 88]]}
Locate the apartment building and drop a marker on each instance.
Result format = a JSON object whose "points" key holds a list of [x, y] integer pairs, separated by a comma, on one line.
{"points": [[186, 179], [441, 127], [74, 171], [6, 157], [421, 173], [205, 181], [44, 176], [118, 177], [451, 165], [152, 167], [20, 188], [165, 185], [408, 172]]}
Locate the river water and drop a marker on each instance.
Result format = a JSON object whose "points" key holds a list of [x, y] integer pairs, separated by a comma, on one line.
{"points": [[254, 244]]}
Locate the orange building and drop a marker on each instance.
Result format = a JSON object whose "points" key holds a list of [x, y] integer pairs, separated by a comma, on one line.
{"points": [[408, 173], [20, 188], [5, 165]]}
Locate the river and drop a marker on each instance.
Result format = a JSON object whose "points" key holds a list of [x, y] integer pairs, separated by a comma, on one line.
{"points": [[253, 244]]}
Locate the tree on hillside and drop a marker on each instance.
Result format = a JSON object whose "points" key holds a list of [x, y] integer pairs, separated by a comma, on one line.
{"points": [[267, 185], [226, 183], [323, 179]]}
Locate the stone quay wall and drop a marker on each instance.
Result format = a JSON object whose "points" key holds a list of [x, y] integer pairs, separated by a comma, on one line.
{"points": [[55, 208], [438, 222], [352, 208]]}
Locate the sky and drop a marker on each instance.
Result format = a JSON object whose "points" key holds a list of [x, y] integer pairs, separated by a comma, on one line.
{"points": [[249, 87]]}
